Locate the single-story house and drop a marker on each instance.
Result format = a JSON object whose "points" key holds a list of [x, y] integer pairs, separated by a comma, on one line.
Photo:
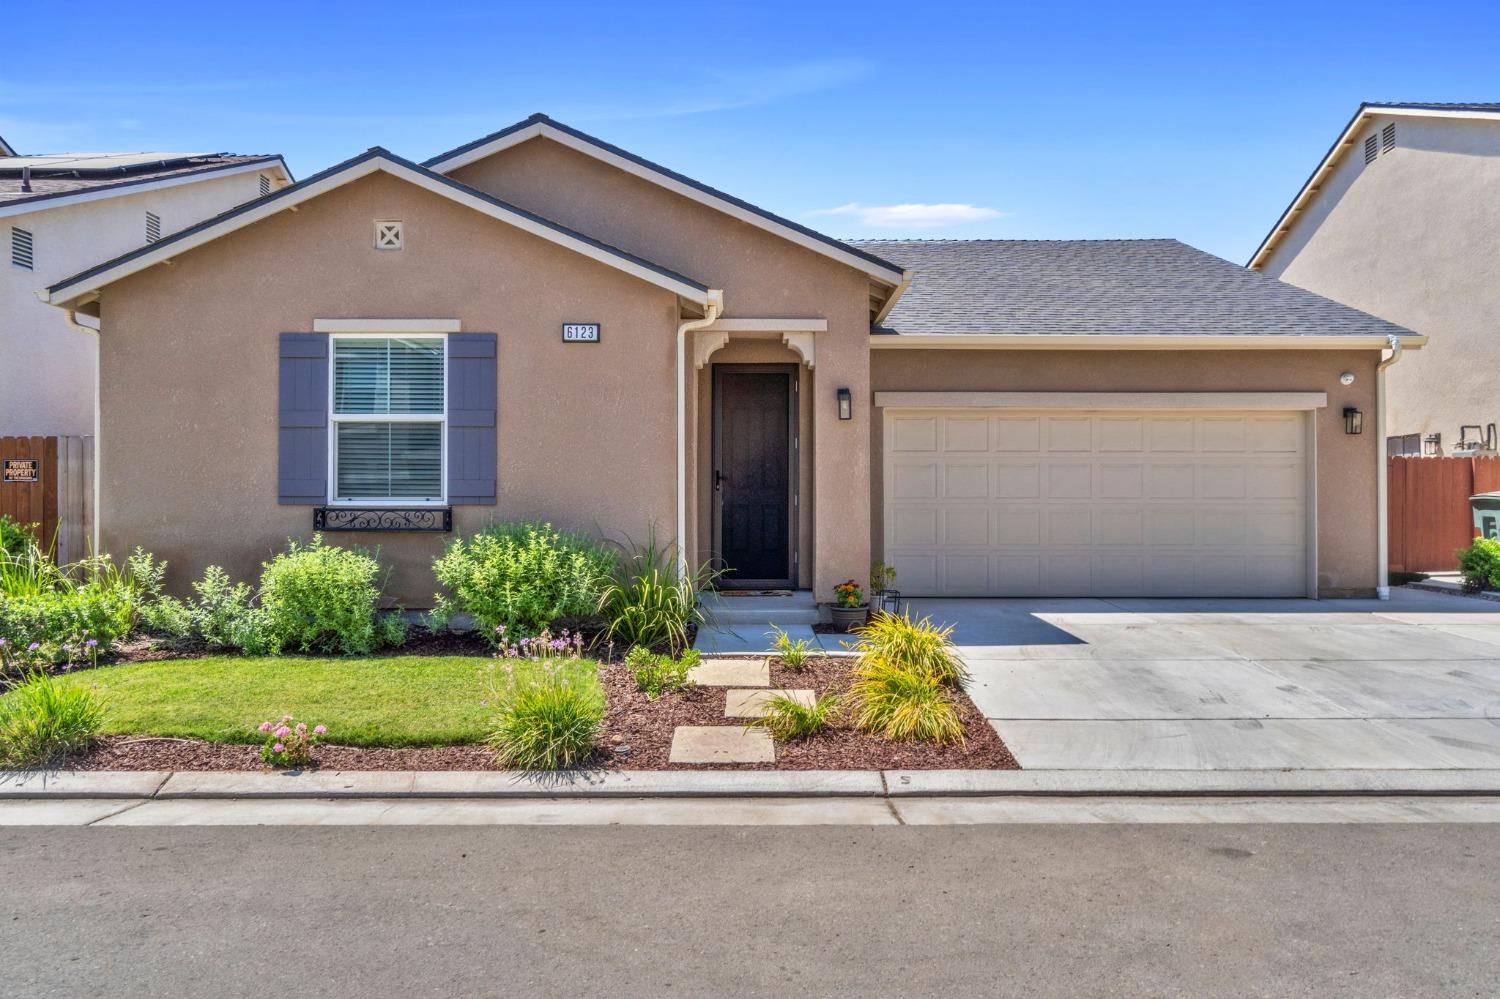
{"points": [[539, 324]]}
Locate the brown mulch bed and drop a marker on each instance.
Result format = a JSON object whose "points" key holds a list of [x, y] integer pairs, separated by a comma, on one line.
{"points": [[637, 735]]}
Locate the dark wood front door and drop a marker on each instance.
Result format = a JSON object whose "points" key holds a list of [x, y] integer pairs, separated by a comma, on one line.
{"points": [[755, 408]]}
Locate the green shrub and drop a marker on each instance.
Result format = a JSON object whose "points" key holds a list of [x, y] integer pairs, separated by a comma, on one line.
{"points": [[904, 704], [71, 615], [788, 718], [391, 628], [647, 601], [549, 714], [914, 646], [43, 720], [320, 598], [522, 577], [792, 652], [656, 674], [14, 535], [1480, 565]]}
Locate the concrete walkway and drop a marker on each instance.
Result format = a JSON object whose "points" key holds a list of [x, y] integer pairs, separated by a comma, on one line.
{"points": [[1221, 684]]}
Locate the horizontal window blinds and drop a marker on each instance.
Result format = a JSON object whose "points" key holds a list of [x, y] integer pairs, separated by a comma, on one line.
{"points": [[390, 461], [379, 375], [395, 459]]}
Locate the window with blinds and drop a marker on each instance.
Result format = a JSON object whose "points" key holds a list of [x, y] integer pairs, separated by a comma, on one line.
{"points": [[388, 411]]}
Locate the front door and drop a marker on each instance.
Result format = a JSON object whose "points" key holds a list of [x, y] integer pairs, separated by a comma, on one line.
{"points": [[755, 408]]}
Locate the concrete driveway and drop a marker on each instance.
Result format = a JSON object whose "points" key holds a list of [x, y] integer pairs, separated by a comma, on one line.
{"points": [[1412, 683]]}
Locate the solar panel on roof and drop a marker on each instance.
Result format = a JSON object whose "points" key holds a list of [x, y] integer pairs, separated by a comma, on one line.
{"points": [[84, 162]]}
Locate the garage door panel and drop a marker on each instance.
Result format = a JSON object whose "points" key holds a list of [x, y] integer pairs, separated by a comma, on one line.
{"points": [[1077, 504]]}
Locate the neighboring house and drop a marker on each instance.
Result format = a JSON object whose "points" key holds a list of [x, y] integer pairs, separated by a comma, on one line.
{"points": [[61, 212], [541, 325], [1402, 220]]}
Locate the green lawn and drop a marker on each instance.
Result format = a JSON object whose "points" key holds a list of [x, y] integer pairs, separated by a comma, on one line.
{"points": [[400, 701]]}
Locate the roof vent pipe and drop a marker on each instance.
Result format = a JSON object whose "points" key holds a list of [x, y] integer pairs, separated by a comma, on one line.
{"points": [[26, 179]]}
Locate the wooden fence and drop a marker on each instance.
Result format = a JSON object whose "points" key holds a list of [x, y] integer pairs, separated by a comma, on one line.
{"points": [[49, 481], [1429, 510]]}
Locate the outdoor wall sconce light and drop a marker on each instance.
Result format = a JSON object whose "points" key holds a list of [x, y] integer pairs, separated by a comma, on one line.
{"points": [[1354, 420], [1431, 444], [846, 405]]}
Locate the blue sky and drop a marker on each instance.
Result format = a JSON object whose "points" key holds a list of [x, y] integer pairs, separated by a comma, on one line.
{"points": [[1035, 120]]}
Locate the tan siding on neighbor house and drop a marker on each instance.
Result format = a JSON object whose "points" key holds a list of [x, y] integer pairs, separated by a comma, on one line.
{"points": [[189, 385], [1346, 479], [761, 275], [1412, 237]]}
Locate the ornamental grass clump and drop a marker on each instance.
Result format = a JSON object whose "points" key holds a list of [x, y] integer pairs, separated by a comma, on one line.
{"points": [[549, 713], [788, 718], [651, 600], [793, 652], [905, 680], [523, 577], [656, 674], [289, 743], [43, 720], [69, 613]]}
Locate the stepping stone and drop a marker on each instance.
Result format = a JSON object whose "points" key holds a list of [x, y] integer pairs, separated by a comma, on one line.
{"points": [[731, 673], [721, 744], [752, 703]]}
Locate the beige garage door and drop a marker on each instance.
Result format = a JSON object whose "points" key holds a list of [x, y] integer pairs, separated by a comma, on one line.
{"points": [[1060, 503]]}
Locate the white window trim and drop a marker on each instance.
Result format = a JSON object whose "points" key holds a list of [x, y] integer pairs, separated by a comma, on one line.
{"points": [[406, 333]]}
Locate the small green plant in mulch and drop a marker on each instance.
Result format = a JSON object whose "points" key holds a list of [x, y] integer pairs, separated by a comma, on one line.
{"points": [[656, 673], [289, 743], [549, 714], [793, 652], [43, 720], [906, 680], [788, 718]]}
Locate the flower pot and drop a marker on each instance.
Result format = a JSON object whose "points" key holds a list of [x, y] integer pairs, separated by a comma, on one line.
{"points": [[845, 618]]}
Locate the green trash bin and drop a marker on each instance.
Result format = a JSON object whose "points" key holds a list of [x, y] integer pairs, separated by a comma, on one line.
{"points": [[1486, 507]]}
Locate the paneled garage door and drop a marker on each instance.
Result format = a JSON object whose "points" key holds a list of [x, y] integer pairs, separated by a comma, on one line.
{"points": [[1062, 503]]}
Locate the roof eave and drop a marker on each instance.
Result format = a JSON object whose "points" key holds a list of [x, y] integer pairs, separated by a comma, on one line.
{"points": [[1143, 341], [542, 126], [124, 188], [73, 291]]}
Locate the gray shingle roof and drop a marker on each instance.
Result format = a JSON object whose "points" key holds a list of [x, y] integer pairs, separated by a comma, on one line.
{"points": [[55, 182], [1435, 106], [1101, 286]]}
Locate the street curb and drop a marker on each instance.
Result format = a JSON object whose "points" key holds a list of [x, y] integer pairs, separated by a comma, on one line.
{"points": [[397, 785]]}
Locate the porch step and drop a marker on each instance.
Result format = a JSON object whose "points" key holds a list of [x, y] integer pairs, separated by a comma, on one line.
{"points": [[798, 607]]}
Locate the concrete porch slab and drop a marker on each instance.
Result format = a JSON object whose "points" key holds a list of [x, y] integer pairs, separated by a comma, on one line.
{"points": [[740, 638]]}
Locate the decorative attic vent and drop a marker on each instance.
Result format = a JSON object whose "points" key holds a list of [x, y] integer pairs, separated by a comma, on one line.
{"points": [[1388, 138], [21, 248], [265, 185], [153, 227], [389, 235], [1371, 148]]}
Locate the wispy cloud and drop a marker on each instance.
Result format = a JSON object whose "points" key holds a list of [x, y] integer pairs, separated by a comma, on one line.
{"points": [[914, 215], [721, 89]]}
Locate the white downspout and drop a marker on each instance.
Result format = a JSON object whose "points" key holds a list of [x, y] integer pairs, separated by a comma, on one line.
{"points": [[711, 310], [1382, 514], [72, 315]]}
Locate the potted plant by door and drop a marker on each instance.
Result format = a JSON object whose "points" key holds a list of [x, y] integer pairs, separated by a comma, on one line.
{"points": [[849, 606]]}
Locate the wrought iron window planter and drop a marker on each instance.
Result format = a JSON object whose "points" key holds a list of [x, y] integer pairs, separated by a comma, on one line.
{"points": [[363, 518]]}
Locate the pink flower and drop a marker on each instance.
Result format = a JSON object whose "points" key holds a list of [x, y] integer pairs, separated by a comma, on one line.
{"points": [[302, 728], [282, 732], [278, 748], [265, 726], [320, 730]]}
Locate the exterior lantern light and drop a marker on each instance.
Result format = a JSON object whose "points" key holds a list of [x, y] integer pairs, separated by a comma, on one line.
{"points": [[846, 405], [1354, 420]]}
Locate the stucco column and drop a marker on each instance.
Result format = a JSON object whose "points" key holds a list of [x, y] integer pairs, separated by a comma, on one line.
{"points": [[841, 459]]}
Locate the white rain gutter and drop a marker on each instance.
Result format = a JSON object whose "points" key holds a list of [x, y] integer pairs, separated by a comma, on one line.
{"points": [[711, 310], [1382, 514], [72, 316]]}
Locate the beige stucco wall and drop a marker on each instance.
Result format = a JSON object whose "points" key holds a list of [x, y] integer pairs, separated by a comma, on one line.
{"points": [[762, 275], [1414, 237], [189, 378], [1346, 465], [49, 365]]}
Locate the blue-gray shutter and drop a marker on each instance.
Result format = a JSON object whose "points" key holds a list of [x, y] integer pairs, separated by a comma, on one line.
{"points": [[302, 448], [471, 418]]}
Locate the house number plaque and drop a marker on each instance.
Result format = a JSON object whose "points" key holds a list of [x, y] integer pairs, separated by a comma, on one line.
{"points": [[580, 332]]}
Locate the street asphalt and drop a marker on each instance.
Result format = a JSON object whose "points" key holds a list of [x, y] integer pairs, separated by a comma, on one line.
{"points": [[528, 910]]}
